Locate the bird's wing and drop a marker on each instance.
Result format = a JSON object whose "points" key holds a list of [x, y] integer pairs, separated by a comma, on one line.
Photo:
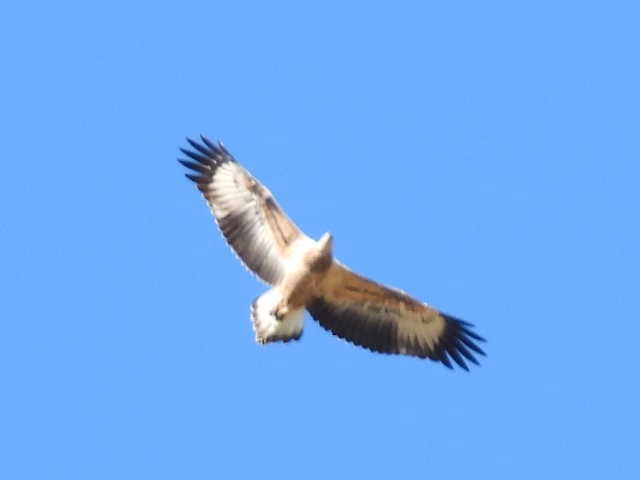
{"points": [[390, 321], [248, 215]]}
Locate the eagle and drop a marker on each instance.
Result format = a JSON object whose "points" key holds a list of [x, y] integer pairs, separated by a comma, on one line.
{"points": [[303, 273]]}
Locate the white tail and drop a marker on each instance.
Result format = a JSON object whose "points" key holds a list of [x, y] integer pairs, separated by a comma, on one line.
{"points": [[267, 327]]}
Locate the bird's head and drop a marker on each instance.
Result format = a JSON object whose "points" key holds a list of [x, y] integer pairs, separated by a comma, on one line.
{"points": [[325, 244], [321, 256]]}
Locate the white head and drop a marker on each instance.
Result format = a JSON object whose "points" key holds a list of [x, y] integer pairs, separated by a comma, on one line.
{"points": [[325, 244], [321, 256]]}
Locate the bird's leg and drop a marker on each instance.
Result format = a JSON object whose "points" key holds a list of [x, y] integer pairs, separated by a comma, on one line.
{"points": [[280, 311]]}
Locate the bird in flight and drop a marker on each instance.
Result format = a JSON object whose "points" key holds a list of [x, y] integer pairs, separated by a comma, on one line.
{"points": [[304, 274]]}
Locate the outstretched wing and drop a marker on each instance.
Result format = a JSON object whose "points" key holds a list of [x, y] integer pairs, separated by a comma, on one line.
{"points": [[245, 210], [390, 321]]}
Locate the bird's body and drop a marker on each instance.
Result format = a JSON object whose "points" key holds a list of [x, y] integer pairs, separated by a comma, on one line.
{"points": [[277, 314], [304, 274]]}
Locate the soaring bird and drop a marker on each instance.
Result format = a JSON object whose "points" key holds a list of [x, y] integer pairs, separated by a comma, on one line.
{"points": [[304, 274]]}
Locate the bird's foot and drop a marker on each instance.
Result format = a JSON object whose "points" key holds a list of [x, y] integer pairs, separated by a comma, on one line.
{"points": [[279, 312]]}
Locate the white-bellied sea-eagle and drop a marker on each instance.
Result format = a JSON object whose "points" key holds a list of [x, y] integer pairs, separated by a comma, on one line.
{"points": [[304, 274]]}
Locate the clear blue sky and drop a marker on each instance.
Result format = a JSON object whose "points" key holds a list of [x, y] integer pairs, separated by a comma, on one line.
{"points": [[483, 156]]}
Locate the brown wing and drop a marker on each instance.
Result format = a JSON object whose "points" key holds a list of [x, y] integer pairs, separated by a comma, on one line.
{"points": [[390, 321], [246, 212]]}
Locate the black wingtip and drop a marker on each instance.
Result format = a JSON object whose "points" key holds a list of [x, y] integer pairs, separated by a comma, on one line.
{"points": [[208, 142], [199, 147], [202, 160], [458, 343], [207, 152], [197, 156], [455, 354], [223, 148], [467, 342], [193, 178], [196, 167], [473, 334], [445, 361], [466, 353]]}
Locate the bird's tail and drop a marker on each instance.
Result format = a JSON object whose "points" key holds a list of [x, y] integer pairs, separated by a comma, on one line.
{"points": [[267, 327]]}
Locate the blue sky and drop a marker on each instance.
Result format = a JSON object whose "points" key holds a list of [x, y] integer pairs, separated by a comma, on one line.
{"points": [[483, 156]]}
